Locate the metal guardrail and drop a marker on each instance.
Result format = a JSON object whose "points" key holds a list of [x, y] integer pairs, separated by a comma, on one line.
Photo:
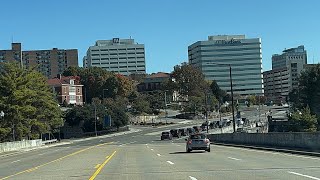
{"points": [[50, 141]]}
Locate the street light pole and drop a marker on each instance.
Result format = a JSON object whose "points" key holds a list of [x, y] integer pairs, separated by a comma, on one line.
{"points": [[95, 119], [232, 105]]}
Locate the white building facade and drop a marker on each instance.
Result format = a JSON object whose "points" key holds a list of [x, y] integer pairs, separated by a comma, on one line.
{"points": [[214, 57], [122, 56]]}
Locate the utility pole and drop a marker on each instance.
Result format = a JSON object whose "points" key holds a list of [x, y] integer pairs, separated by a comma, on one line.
{"points": [[220, 123], [259, 109], [206, 99], [231, 88], [165, 106], [232, 105]]}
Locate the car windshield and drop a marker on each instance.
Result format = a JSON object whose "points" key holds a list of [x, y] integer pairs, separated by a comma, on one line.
{"points": [[165, 133]]}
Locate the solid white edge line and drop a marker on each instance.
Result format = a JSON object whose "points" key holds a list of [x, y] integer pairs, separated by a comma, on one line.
{"points": [[303, 175], [275, 153], [170, 162], [192, 178]]}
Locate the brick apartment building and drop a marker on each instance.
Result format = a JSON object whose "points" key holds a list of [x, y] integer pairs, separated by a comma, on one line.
{"points": [[68, 89], [48, 62], [153, 82]]}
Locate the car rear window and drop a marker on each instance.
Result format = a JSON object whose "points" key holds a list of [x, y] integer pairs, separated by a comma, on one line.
{"points": [[165, 133], [198, 136]]}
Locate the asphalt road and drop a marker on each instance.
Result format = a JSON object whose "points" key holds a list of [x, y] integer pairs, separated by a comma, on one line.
{"points": [[141, 155]]}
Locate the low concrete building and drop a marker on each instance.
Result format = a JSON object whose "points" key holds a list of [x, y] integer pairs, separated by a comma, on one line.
{"points": [[68, 89]]}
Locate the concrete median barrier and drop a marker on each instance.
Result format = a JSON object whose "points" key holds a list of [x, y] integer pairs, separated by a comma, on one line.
{"points": [[17, 145], [291, 140]]}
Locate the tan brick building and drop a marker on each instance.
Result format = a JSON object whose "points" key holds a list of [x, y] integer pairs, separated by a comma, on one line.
{"points": [[48, 62]]}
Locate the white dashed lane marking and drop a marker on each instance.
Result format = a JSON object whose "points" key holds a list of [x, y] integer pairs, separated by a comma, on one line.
{"points": [[192, 178], [170, 162], [15, 161], [234, 158]]}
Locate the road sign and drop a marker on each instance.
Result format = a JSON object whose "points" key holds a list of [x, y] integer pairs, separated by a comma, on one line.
{"points": [[107, 121]]}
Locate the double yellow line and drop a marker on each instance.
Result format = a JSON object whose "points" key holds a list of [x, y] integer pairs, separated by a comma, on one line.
{"points": [[59, 159]]}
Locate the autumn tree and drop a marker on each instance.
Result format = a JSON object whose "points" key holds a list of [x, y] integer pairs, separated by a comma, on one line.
{"points": [[189, 80]]}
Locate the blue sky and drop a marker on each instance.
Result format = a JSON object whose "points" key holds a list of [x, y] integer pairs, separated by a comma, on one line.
{"points": [[166, 27]]}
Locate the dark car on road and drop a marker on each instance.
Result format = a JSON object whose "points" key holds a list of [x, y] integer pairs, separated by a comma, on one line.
{"points": [[175, 133], [184, 132], [197, 128], [198, 142], [190, 130], [166, 135]]}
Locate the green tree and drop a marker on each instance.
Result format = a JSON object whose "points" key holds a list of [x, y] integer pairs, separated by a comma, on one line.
{"points": [[189, 81], [141, 105], [252, 100], [84, 117], [307, 93], [99, 83], [194, 105], [28, 102], [218, 93], [303, 121]]}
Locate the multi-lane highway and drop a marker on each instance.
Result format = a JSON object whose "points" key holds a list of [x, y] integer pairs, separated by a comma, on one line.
{"points": [[141, 155]]}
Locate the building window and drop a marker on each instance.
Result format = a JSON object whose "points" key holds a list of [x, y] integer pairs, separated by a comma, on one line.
{"points": [[72, 98], [294, 65], [72, 89]]}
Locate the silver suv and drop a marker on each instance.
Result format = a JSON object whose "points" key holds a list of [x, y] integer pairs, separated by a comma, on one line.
{"points": [[198, 142]]}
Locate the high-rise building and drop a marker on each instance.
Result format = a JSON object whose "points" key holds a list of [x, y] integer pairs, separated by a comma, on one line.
{"points": [[85, 62], [122, 56], [48, 62], [214, 56], [283, 77], [293, 59]]}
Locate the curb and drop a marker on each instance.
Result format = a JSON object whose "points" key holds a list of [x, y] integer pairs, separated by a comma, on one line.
{"points": [[291, 151]]}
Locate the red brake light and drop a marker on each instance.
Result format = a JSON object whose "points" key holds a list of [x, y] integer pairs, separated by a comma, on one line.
{"points": [[190, 141], [207, 141]]}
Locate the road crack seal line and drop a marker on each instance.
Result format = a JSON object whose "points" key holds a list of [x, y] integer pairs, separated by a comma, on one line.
{"points": [[56, 160]]}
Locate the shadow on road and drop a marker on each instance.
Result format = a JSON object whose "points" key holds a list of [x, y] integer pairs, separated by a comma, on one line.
{"points": [[183, 152]]}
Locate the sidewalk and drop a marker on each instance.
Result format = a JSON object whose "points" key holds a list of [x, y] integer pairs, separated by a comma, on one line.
{"points": [[67, 141]]}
